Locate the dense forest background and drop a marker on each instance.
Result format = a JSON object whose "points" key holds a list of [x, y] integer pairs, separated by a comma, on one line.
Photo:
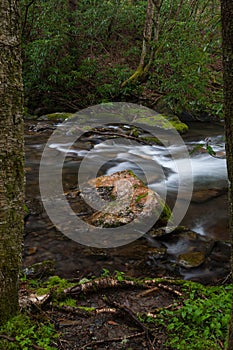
{"points": [[78, 53]]}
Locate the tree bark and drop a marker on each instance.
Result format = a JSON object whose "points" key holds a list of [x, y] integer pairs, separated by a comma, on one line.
{"points": [[11, 157], [227, 44]]}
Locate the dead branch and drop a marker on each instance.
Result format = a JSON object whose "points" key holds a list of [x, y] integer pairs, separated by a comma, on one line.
{"points": [[120, 135], [146, 292], [106, 310], [101, 284]]}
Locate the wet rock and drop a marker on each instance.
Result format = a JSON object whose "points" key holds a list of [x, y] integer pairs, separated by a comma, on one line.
{"points": [[157, 253], [192, 259], [125, 198], [191, 255], [42, 127], [190, 116], [221, 252], [30, 251], [204, 195], [184, 242], [43, 269], [164, 234]]}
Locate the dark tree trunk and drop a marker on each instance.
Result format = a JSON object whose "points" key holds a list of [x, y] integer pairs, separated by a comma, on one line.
{"points": [[11, 157], [227, 36]]}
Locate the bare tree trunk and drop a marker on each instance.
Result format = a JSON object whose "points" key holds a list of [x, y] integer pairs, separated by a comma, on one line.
{"points": [[227, 36], [11, 157]]}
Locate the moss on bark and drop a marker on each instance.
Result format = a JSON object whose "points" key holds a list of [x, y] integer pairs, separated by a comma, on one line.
{"points": [[11, 158]]}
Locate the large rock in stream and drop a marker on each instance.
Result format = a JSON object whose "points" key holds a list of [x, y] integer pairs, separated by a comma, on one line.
{"points": [[124, 198]]}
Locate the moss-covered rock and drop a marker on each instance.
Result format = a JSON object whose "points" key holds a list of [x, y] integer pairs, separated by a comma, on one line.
{"points": [[164, 122], [56, 116], [192, 259]]}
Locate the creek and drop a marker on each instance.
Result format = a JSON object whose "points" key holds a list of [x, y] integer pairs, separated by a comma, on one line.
{"points": [[206, 215]]}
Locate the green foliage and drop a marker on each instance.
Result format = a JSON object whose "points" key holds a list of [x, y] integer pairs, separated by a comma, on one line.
{"points": [[66, 53], [119, 275], [27, 333], [201, 323], [204, 146], [76, 57], [105, 273], [184, 65]]}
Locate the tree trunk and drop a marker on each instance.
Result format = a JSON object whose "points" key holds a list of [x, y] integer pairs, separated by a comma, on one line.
{"points": [[11, 157], [147, 46], [227, 36]]}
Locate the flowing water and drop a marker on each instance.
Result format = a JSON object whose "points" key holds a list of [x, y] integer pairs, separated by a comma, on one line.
{"points": [[207, 212]]}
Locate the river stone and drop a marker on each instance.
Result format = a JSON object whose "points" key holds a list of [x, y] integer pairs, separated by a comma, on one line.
{"points": [[42, 127], [143, 203], [204, 195], [192, 259]]}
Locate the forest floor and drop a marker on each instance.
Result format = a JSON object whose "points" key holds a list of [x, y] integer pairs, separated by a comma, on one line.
{"points": [[111, 312], [108, 313]]}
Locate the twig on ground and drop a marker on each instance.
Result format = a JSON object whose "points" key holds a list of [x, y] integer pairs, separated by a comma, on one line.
{"points": [[146, 292]]}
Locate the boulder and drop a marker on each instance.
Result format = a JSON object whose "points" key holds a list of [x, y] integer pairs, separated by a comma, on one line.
{"points": [[125, 198]]}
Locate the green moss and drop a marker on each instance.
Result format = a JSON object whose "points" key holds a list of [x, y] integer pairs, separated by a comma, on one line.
{"points": [[68, 302], [164, 122], [141, 196], [182, 128], [151, 139], [57, 285], [130, 172], [165, 215], [88, 309]]}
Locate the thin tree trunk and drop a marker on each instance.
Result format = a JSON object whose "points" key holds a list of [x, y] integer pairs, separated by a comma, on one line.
{"points": [[11, 157], [146, 43], [227, 35]]}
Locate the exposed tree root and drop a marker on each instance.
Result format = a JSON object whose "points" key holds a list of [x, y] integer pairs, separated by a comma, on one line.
{"points": [[109, 283], [101, 284]]}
